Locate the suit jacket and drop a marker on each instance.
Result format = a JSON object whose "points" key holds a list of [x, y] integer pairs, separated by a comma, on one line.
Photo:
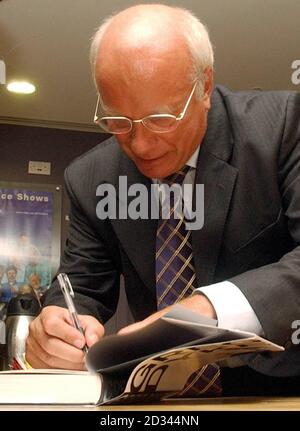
{"points": [[249, 163]]}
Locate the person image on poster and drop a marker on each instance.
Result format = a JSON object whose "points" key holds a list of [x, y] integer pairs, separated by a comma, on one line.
{"points": [[10, 288], [38, 267]]}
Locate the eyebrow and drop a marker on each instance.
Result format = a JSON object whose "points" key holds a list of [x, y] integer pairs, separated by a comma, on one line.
{"points": [[174, 109], [166, 109]]}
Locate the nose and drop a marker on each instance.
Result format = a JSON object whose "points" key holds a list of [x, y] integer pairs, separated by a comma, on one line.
{"points": [[142, 141]]}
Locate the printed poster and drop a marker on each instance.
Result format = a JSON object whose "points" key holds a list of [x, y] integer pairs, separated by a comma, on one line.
{"points": [[29, 239]]}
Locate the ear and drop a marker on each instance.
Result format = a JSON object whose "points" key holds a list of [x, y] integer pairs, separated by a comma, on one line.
{"points": [[208, 87]]}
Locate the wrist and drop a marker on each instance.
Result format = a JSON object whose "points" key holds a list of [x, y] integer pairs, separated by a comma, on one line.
{"points": [[199, 303]]}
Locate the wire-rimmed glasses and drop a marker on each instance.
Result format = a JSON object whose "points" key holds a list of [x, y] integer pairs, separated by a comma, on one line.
{"points": [[157, 123]]}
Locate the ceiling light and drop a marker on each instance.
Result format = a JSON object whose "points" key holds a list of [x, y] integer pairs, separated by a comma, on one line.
{"points": [[22, 87]]}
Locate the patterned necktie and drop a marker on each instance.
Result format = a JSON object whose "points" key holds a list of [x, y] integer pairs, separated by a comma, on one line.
{"points": [[175, 272], [176, 279]]}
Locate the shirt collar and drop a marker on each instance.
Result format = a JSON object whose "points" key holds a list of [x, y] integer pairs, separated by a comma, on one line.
{"points": [[192, 162]]}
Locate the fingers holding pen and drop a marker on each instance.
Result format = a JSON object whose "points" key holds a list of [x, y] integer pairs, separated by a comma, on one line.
{"points": [[53, 342], [92, 328], [59, 325], [57, 355]]}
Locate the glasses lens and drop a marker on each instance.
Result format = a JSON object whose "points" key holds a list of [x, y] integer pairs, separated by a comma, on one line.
{"points": [[115, 125], [161, 123]]}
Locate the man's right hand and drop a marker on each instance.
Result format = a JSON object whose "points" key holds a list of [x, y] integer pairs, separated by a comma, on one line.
{"points": [[53, 342]]}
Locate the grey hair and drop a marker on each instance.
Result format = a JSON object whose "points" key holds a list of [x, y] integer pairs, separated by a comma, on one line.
{"points": [[196, 36]]}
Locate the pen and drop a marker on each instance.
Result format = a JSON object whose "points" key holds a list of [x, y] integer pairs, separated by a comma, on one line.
{"points": [[68, 293]]}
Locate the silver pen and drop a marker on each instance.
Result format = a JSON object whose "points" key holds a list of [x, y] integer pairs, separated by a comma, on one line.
{"points": [[68, 293]]}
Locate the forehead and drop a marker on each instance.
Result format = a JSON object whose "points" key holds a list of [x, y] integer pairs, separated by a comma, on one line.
{"points": [[143, 97], [141, 48], [154, 73], [137, 106], [146, 72]]}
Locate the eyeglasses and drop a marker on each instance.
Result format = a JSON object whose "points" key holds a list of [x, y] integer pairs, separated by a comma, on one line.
{"points": [[157, 123]]}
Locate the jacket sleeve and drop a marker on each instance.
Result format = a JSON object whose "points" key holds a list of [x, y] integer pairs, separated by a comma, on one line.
{"points": [[273, 290], [90, 257]]}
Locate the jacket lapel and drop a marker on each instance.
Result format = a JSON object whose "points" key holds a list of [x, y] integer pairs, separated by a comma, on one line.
{"points": [[218, 177], [136, 236]]}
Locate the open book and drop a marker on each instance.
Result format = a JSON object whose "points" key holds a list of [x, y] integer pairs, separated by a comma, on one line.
{"points": [[148, 365]]}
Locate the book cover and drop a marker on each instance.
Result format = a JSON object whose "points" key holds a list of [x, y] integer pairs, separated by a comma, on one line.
{"points": [[144, 366]]}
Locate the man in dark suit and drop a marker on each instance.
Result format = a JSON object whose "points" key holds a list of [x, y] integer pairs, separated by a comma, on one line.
{"points": [[244, 147]]}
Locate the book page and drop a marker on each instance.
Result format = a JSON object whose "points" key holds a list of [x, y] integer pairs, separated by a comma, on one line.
{"points": [[117, 352]]}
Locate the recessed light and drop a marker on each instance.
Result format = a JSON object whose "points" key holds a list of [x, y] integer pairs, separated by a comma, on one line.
{"points": [[22, 87]]}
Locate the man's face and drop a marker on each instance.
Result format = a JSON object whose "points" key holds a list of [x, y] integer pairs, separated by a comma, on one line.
{"points": [[11, 275], [34, 281], [34, 257], [139, 83], [24, 240]]}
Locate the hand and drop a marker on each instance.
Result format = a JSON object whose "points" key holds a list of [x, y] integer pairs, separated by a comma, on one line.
{"points": [[53, 342], [197, 303]]}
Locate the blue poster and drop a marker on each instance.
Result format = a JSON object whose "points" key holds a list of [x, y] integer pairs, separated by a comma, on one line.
{"points": [[26, 229]]}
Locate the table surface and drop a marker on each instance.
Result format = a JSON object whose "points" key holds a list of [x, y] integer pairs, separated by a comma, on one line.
{"points": [[203, 404]]}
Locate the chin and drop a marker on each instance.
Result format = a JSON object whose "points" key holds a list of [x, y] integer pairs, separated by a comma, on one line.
{"points": [[153, 171]]}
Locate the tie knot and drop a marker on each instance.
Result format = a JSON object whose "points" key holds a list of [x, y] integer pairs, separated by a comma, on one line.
{"points": [[178, 177]]}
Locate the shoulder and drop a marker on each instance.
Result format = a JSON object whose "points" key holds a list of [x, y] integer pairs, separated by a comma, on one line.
{"points": [[254, 97], [256, 102], [101, 163], [104, 157], [262, 112]]}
